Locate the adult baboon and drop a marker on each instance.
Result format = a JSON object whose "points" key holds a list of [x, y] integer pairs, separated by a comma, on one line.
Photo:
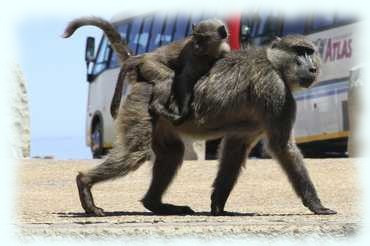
{"points": [[245, 96], [179, 64]]}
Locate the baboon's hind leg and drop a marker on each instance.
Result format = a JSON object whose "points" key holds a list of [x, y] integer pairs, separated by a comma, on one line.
{"points": [[132, 148], [169, 152]]}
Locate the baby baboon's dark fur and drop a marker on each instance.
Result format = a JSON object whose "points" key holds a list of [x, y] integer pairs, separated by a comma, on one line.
{"points": [[247, 95]]}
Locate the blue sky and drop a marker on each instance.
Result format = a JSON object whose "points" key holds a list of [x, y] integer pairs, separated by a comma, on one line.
{"points": [[55, 71]]}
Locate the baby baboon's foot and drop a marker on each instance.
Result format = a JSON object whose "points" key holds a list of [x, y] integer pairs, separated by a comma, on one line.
{"points": [[178, 120], [167, 209], [86, 199]]}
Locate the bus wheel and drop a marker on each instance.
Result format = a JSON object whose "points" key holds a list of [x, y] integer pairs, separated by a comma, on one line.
{"points": [[97, 149]]}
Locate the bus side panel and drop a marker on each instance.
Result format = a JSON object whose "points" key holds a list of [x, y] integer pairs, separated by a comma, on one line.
{"points": [[320, 109], [100, 95]]}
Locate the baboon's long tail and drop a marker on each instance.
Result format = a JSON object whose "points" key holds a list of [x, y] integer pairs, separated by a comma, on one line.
{"points": [[118, 45]]}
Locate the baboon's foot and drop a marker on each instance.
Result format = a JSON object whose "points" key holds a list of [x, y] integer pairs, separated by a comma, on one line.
{"points": [[219, 211], [95, 211], [322, 211], [222, 213], [317, 208], [86, 199], [167, 209]]}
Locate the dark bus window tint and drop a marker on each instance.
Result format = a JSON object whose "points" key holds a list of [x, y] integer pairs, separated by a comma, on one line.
{"points": [[251, 23], [102, 56], [155, 37], [246, 22], [182, 23], [122, 29], [167, 34], [292, 26], [144, 35], [321, 22], [269, 25], [344, 20], [134, 34], [253, 27], [261, 28], [265, 28]]}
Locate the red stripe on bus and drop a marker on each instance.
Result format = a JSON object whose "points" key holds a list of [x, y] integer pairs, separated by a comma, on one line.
{"points": [[234, 29]]}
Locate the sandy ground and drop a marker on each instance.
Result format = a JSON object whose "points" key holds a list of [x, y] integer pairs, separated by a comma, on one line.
{"points": [[263, 200]]}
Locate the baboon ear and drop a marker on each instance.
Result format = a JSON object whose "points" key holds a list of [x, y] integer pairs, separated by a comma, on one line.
{"points": [[275, 42], [192, 26], [222, 32]]}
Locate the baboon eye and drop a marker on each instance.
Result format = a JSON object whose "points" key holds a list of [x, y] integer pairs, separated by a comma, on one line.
{"points": [[302, 50]]}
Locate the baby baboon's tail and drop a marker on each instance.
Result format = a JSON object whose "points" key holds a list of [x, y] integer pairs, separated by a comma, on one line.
{"points": [[118, 45]]}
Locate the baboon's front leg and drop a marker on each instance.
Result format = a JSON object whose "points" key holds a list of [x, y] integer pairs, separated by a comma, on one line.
{"points": [[291, 160], [234, 151]]}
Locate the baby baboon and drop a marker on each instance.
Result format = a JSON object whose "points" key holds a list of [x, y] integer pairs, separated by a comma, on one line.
{"points": [[208, 44], [245, 96], [180, 63]]}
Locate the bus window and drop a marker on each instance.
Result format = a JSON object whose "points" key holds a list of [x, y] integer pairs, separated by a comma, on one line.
{"points": [[270, 25], [134, 34], [260, 29], [182, 24], [167, 35], [255, 27], [246, 25], [321, 22], [344, 20], [122, 29], [144, 35], [102, 57], [265, 28], [293, 26], [155, 36]]}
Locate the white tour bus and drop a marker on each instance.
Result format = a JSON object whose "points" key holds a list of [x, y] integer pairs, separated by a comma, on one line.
{"points": [[322, 114]]}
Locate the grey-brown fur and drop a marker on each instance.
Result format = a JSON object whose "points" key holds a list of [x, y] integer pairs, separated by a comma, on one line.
{"points": [[246, 96]]}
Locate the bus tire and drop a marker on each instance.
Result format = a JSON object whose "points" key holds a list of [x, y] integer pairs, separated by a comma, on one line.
{"points": [[96, 146]]}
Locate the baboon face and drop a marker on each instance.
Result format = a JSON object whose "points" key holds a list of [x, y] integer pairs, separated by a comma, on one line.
{"points": [[210, 38], [297, 60]]}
